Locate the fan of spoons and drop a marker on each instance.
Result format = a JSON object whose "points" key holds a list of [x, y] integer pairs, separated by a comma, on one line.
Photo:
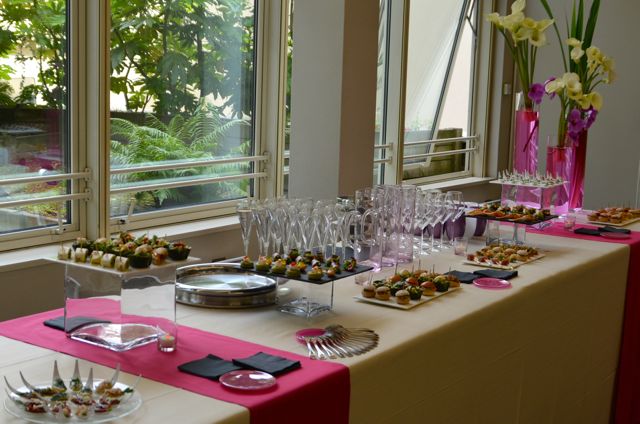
{"points": [[340, 342]]}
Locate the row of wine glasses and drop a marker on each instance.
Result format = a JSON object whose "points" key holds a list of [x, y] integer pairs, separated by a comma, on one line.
{"points": [[304, 224], [434, 212]]}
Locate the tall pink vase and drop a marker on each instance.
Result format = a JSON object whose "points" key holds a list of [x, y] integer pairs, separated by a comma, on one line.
{"points": [[525, 145], [576, 188], [560, 164]]}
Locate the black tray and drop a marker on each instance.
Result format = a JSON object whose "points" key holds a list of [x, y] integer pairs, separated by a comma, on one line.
{"points": [[513, 221], [304, 276]]}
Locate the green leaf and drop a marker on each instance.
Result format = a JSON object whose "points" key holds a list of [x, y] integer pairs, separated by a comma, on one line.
{"points": [[591, 24], [579, 20]]}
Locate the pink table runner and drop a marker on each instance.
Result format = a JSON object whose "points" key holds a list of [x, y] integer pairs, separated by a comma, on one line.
{"points": [[296, 395], [626, 407]]}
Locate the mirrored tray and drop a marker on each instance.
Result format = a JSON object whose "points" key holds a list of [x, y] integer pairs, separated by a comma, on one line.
{"points": [[224, 285]]}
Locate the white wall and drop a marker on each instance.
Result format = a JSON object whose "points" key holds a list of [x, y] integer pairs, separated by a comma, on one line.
{"points": [[613, 152]]}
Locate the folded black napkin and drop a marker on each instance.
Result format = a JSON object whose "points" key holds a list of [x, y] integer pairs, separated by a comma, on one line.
{"points": [[464, 277], [268, 363], [211, 367], [496, 273], [609, 229], [73, 323], [587, 231]]}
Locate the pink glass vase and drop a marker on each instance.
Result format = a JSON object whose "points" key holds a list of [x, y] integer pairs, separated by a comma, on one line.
{"points": [[576, 188], [560, 164], [525, 144]]}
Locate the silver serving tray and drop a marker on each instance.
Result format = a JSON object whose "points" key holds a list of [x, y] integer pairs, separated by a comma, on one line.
{"points": [[222, 285]]}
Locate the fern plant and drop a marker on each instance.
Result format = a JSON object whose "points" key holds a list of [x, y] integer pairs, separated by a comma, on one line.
{"points": [[196, 137]]}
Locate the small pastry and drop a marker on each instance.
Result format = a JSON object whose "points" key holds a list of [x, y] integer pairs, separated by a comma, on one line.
{"points": [[101, 244], [159, 255], [293, 271], [368, 290], [454, 281], [293, 254], [441, 283], [127, 249], [279, 267], [350, 265], [315, 273], [301, 266], [80, 254], [121, 263], [396, 287], [415, 293], [64, 253], [428, 288], [179, 251], [140, 260], [263, 264], [383, 293], [246, 263], [403, 297], [331, 273], [81, 242], [143, 248], [96, 257], [108, 260]]}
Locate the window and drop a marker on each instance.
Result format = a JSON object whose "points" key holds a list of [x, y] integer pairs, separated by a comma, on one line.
{"points": [[39, 177], [182, 104], [428, 106]]}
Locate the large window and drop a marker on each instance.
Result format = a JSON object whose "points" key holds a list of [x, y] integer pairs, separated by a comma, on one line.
{"points": [[38, 172], [182, 103], [425, 113]]}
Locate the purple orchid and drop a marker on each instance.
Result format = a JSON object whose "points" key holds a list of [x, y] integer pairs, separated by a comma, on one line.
{"points": [[536, 93], [575, 124], [591, 117]]}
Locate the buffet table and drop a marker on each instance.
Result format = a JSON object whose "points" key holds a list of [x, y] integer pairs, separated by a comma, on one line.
{"points": [[544, 351]]}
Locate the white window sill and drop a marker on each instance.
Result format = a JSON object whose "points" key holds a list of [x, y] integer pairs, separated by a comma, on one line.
{"points": [[29, 257], [457, 183]]}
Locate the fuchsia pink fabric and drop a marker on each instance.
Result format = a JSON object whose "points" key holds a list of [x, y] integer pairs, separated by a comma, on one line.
{"points": [[626, 406], [296, 395]]}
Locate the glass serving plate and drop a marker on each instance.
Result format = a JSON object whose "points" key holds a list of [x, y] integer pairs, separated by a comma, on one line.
{"points": [[129, 404]]}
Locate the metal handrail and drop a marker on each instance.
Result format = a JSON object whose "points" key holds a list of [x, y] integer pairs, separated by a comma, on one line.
{"points": [[185, 183], [182, 165], [48, 199], [435, 154], [440, 141], [45, 178]]}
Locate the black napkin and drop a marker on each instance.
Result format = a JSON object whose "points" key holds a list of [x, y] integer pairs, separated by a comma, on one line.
{"points": [[73, 323], [268, 363], [587, 231], [464, 277], [609, 229], [496, 273], [211, 367]]}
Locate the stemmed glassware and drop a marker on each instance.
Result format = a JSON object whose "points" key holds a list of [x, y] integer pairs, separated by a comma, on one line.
{"points": [[263, 227], [245, 215]]}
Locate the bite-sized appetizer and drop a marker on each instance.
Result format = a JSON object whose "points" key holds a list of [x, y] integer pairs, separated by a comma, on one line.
{"points": [[368, 290], [65, 253], [246, 263], [81, 242], [158, 242], [403, 297], [159, 255], [279, 267], [293, 254], [378, 283], [82, 411], [179, 251], [264, 264], [126, 236], [331, 272], [96, 257], [108, 260], [415, 293], [80, 254], [141, 260], [307, 257], [293, 271], [121, 263], [383, 293], [319, 256], [405, 273], [301, 266], [412, 281], [350, 265], [441, 283], [102, 244], [315, 273], [396, 287], [127, 249], [428, 288], [331, 260], [453, 281]]}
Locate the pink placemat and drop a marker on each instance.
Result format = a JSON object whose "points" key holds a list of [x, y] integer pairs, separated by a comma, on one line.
{"points": [[295, 396], [626, 407]]}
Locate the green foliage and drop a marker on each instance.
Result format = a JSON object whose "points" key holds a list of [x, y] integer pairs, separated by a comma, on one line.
{"points": [[196, 137]]}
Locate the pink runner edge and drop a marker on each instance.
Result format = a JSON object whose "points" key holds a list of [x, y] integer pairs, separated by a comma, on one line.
{"points": [[296, 394], [626, 408]]}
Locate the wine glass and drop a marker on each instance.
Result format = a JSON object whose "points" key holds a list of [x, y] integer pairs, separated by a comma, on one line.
{"points": [[263, 227], [245, 215]]}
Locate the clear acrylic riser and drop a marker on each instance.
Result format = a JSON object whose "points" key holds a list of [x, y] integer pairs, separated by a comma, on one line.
{"points": [[303, 299], [510, 232], [533, 197], [138, 305]]}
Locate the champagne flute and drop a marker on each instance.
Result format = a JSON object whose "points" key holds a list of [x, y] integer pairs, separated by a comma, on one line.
{"points": [[245, 215]]}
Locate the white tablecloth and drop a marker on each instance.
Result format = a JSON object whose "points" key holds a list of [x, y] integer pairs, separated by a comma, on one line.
{"points": [[544, 351]]}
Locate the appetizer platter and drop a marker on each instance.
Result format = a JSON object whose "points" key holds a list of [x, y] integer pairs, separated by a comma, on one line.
{"points": [[406, 289], [91, 401], [123, 253], [308, 267], [518, 214], [503, 256], [618, 217]]}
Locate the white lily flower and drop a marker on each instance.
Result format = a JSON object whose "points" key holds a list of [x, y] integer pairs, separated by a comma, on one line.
{"points": [[495, 19], [574, 42], [544, 24], [529, 23], [518, 6], [593, 54], [538, 38], [521, 34], [576, 54], [555, 86], [511, 22]]}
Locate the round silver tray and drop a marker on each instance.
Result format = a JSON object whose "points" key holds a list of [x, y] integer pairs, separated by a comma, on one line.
{"points": [[217, 285]]}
